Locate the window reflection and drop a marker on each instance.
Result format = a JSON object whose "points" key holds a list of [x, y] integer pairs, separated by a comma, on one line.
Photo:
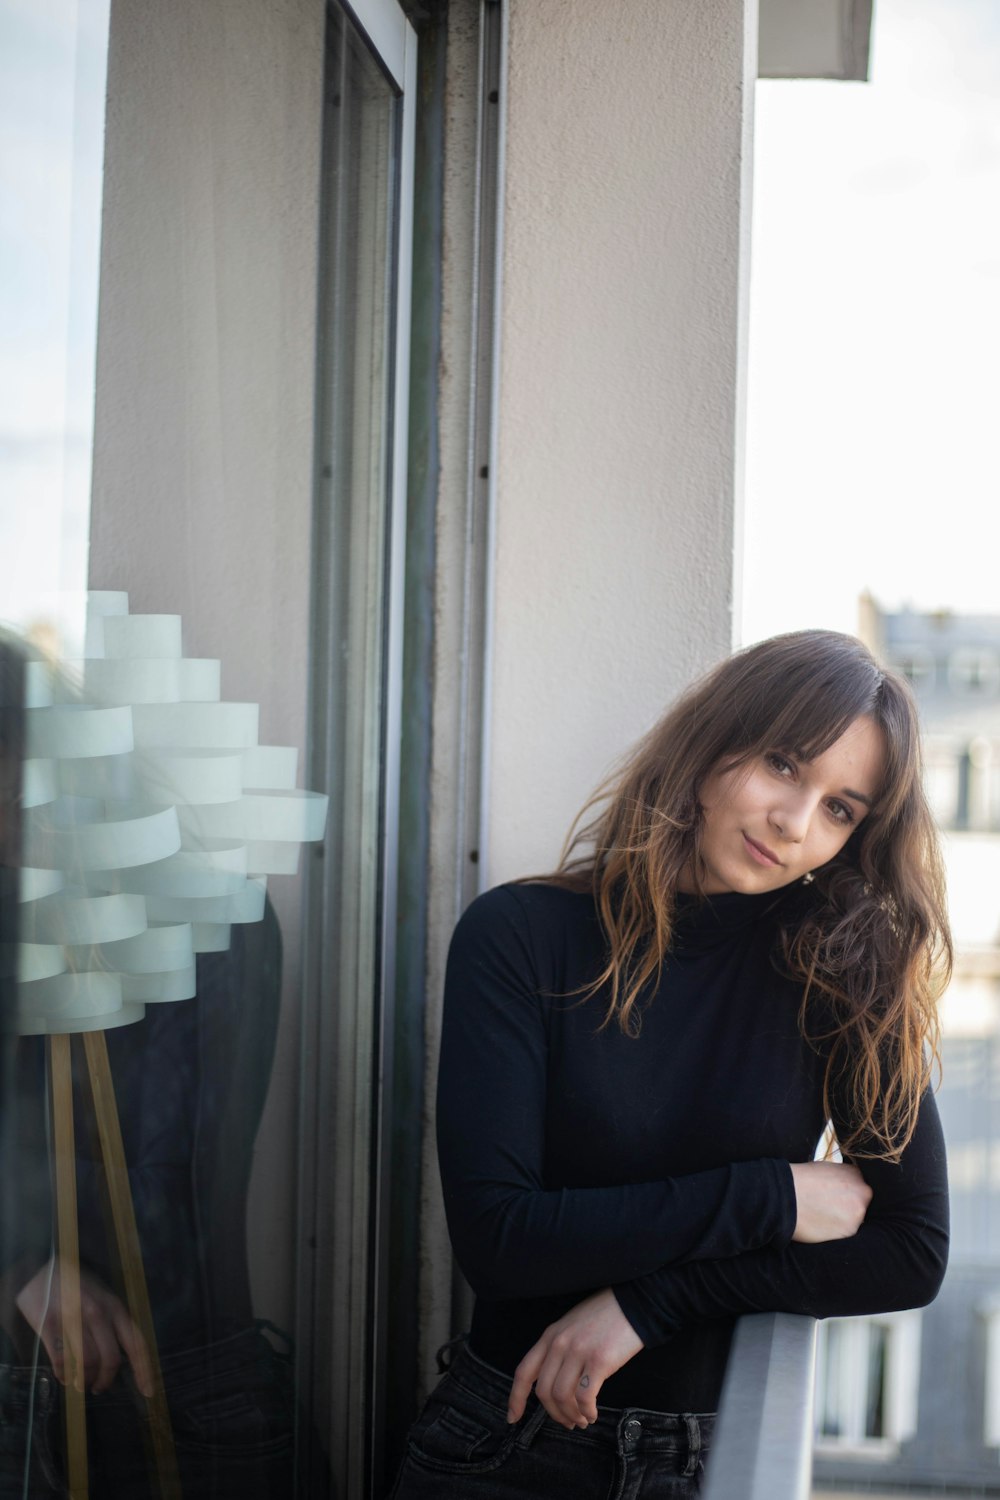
{"points": [[142, 985], [190, 1009]]}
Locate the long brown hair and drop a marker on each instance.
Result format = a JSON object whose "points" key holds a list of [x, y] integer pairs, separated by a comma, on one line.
{"points": [[870, 943]]}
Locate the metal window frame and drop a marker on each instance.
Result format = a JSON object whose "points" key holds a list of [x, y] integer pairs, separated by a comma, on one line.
{"points": [[394, 43], [362, 1063]]}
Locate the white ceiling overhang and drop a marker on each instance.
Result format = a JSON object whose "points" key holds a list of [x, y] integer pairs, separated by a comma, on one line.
{"points": [[815, 39]]}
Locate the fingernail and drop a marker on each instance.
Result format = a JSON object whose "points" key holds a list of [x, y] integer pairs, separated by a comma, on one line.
{"points": [[510, 1415]]}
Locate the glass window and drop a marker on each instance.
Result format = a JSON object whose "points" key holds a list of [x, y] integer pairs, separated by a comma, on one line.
{"points": [[974, 671], [916, 664], [866, 1383], [198, 710]]}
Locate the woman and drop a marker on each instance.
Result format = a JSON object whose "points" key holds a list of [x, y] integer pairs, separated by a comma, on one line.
{"points": [[640, 1055]]}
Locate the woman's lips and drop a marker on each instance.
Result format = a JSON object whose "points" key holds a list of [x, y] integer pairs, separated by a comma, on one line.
{"points": [[761, 853]]}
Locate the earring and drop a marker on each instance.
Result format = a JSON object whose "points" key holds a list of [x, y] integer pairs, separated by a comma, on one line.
{"points": [[808, 878]]}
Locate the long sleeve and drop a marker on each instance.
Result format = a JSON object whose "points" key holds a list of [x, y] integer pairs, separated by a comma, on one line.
{"points": [[896, 1260], [515, 1236]]}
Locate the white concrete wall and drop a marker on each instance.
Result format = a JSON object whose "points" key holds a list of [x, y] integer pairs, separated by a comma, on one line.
{"points": [[204, 409], [627, 212]]}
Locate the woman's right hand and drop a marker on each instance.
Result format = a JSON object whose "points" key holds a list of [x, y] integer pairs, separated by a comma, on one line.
{"points": [[831, 1200], [107, 1328]]}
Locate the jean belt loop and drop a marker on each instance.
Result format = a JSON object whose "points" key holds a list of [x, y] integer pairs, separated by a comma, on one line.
{"points": [[447, 1353], [530, 1424], [694, 1444]]}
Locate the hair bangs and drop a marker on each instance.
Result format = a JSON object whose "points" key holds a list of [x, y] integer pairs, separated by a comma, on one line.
{"points": [[798, 692]]}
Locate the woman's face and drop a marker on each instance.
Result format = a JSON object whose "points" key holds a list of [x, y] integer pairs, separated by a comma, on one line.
{"points": [[769, 822]]}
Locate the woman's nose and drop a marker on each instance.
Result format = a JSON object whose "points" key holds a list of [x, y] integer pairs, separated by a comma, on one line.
{"points": [[791, 819]]}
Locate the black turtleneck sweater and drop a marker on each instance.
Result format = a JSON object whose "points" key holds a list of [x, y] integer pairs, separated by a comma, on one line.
{"points": [[575, 1157]]}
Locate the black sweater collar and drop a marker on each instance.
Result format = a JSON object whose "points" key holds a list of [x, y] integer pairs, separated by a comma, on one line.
{"points": [[702, 923]]}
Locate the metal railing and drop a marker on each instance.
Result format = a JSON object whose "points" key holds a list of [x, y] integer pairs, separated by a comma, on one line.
{"points": [[763, 1439]]}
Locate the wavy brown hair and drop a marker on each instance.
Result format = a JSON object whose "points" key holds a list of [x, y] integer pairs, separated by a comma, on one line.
{"points": [[869, 940]]}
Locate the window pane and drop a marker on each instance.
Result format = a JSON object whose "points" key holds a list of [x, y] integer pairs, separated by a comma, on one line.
{"points": [[830, 1381], [192, 775], [351, 537], [878, 1337]]}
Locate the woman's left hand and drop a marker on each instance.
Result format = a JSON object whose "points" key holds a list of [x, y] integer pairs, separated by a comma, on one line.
{"points": [[572, 1360]]}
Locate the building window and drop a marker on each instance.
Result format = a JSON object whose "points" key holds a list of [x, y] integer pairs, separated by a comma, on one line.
{"points": [[974, 671], [866, 1383], [991, 1414], [916, 664]]}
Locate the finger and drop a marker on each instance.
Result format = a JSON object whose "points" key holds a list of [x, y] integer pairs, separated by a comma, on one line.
{"points": [[543, 1386], [104, 1350], [131, 1340], [50, 1334], [74, 1353], [91, 1366], [66, 1359], [585, 1395], [556, 1390], [588, 1386], [75, 1365], [524, 1378], [569, 1390]]}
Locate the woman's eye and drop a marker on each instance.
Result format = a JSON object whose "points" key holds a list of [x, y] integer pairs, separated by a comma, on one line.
{"points": [[780, 763], [842, 812]]}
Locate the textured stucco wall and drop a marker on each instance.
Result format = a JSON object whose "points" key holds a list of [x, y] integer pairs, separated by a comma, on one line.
{"points": [[205, 389], [626, 212]]}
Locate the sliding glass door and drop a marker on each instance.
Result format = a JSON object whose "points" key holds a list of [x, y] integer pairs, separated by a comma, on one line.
{"points": [[199, 759]]}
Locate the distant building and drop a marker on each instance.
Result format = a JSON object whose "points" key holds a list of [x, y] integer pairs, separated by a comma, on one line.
{"points": [[952, 662], [909, 1404]]}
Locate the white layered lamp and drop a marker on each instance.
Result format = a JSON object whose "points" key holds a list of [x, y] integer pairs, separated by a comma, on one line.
{"points": [[152, 819]]}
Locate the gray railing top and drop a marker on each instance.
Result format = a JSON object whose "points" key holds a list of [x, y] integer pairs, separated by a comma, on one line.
{"points": [[763, 1439]]}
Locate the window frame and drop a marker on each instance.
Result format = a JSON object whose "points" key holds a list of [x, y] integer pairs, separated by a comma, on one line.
{"points": [[900, 1384], [346, 1058]]}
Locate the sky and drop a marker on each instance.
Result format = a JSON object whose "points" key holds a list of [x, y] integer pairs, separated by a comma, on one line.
{"points": [[873, 449], [53, 69]]}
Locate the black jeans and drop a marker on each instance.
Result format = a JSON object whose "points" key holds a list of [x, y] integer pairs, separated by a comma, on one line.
{"points": [[462, 1448], [233, 1417]]}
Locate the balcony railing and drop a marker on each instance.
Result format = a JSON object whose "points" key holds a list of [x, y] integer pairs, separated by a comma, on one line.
{"points": [[763, 1439]]}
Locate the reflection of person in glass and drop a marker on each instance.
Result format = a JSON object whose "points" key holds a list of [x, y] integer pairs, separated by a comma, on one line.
{"points": [[190, 1081], [640, 1053]]}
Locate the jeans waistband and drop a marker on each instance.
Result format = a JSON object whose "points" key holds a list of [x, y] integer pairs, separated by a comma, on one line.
{"points": [[630, 1429], [184, 1370]]}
